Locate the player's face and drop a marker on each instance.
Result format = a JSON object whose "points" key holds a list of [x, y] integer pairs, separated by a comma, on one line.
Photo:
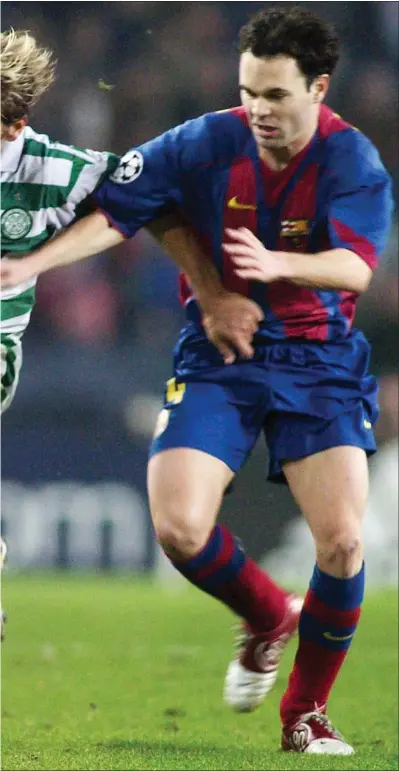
{"points": [[11, 131], [281, 109]]}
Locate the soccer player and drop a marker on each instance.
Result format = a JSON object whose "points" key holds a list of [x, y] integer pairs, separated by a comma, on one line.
{"points": [[44, 187], [293, 206]]}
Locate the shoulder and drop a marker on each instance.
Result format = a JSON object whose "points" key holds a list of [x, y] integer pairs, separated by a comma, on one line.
{"points": [[349, 152], [210, 138], [42, 146]]}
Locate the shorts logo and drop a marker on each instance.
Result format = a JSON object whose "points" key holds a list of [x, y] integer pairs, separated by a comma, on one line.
{"points": [[297, 228], [162, 423], [129, 168], [175, 392], [15, 223], [367, 424]]}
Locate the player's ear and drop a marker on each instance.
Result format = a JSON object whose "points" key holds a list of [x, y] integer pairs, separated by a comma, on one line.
{"points": [[320, 88]]}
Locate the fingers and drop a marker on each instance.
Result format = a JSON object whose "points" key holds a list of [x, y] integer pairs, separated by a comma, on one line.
{"points": [[246, 262], [228, 353], [243, 236], [237, 342], [258, 313], [4, 278], [244, 347], [239, 250]]}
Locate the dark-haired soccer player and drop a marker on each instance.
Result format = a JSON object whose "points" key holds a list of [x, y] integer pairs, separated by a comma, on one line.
{"points": [[283, 182]]}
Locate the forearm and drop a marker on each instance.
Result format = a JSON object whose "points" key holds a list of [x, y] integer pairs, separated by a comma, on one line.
{"points": [[335, 270], [183, 247], [86, 237]]}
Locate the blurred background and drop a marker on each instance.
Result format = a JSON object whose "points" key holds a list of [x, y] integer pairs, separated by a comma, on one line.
{"points": [[98, 349]]}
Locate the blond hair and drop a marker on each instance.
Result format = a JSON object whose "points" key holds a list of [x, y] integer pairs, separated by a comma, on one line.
{"points": [[27, 71]]}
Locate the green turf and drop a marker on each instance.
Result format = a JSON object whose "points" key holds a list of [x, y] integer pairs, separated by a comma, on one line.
{"points": [[112, 673]]}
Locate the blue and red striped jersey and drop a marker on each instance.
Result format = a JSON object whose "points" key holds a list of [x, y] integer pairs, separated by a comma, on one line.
{"points": [[334, 193]]}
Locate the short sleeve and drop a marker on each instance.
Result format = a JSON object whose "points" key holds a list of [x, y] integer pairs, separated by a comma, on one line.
{"points": [[151, 178], [361, 205]]}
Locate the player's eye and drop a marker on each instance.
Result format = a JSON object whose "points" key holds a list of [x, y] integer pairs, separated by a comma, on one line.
{"points": [[278, 96]]}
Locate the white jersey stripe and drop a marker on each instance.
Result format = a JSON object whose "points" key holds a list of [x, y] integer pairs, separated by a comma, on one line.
{"points": [[43, 171], [16, 325]]}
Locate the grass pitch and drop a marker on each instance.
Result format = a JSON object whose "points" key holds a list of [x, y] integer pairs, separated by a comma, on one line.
{"points": [[115, 673]]}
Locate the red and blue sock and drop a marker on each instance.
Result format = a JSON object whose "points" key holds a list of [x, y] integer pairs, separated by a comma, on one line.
{"points": [[223, 570], [327, 624]]}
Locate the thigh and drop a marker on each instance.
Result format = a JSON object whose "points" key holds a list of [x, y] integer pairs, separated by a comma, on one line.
{"points": [[219, 420], [186, 488], [331, 489]]}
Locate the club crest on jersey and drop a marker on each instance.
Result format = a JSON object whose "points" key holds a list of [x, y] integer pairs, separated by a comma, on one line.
{"points": [[15, 223], [297, 228], [129, 168]]}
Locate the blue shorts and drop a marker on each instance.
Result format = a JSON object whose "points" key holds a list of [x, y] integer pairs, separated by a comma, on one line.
{"points": [[304, 396]]}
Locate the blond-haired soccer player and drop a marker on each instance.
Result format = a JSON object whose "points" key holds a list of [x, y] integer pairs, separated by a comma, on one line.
{"points": [[44, 187]]}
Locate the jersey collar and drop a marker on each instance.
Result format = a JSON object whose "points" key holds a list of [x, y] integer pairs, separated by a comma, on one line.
{"points": [[11, 153]]}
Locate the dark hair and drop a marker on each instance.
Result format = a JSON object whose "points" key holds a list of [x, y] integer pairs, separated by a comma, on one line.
{"points": [[295, 32]]}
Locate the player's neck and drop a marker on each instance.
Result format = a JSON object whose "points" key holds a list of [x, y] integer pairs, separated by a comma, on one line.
{"points": [[278, 158]]}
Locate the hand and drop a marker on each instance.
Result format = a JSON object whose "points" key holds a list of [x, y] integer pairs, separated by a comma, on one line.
{"points": [[251, 259], [230, 322], [16, 271]]}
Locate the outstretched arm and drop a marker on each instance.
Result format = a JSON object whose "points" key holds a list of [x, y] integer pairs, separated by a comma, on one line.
{"points": [[90, 235], [230, 320]]}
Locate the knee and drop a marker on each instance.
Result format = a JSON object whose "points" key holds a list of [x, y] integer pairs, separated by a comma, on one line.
{"points": [[180, 540], [341, 554]]}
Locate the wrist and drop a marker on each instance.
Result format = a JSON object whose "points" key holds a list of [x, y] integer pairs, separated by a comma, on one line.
{"points": [[286, 266], [208, 298]]}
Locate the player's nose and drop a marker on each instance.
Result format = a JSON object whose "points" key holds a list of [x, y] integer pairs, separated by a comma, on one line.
{"points": [[261, 108]]}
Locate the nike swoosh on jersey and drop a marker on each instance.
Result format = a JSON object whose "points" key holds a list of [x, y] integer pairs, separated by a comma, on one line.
{"points": [[233, 203]]}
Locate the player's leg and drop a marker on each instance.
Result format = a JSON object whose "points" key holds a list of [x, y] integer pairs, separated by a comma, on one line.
{"points": [[319, 431], [11, 362], [330, 488], [200, 442]]}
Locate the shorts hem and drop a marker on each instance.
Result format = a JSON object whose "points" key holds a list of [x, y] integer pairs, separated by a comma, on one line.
{"points": [[277, 476], [156, 449]]}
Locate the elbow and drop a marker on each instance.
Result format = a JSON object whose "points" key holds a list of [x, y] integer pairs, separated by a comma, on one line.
{"points": [[360, 276], [362, 279]]}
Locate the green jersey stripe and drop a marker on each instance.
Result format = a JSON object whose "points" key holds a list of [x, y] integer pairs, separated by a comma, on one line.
{"points": [[17, 305], [36, 194]]}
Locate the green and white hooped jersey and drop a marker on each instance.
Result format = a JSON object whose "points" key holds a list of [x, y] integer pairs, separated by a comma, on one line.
{"points": [[44, 187]]}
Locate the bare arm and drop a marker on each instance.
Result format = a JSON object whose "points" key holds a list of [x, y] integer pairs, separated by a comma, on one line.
{"points": [[334, 269], [90, 235], [229, 319]]}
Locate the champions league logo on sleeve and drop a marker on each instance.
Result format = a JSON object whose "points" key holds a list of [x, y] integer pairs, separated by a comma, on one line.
{"points": [[129, 168]]}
